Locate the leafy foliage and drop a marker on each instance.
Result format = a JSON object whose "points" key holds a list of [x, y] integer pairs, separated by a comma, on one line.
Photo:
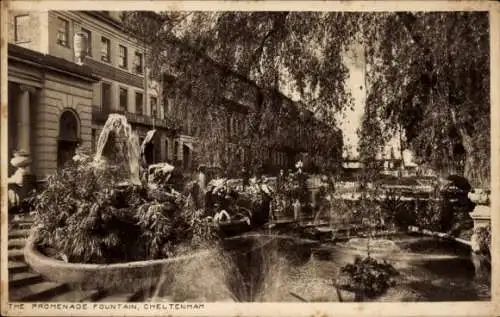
{"points": [[244, 56], [423, 84], [419, 82], [291, 186], [367, 277], [483, 236], [84, 215], [439, 212]]}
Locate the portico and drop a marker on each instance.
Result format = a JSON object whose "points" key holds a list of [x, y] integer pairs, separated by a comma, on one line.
{"points": [[42, 91]]}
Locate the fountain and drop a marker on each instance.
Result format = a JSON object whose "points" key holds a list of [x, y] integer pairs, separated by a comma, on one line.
{"points": [[140, 229], [127, 145], [258, 266]]}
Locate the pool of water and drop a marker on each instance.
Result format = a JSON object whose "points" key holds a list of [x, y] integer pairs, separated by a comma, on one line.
{"points": [[276, 268]]}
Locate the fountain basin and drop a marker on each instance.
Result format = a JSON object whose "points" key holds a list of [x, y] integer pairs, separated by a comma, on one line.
{"points": [[272, 267], [130, 276]]}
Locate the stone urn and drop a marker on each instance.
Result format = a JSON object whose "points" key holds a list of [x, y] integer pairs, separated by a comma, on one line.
{"points": [[480, 197], [22, 181], [80, 43], [21, 159]]}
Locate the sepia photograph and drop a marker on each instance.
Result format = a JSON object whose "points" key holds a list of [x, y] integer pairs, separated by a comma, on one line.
{"points": [[172, 158]]}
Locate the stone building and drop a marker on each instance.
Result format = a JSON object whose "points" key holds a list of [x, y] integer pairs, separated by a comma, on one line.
{"points": [[110, 54], [98, 69], [50, 108], [292, 129]]}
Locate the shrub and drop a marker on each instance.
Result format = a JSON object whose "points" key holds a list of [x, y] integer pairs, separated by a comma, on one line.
{"points": [[86, 217], [430, 216], [483, 236], [367, 277], [395, 210], [291, 187], [443, 214], [252, 201]]}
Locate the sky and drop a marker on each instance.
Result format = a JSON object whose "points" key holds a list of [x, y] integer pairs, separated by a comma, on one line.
{"points": [[350, 121]]}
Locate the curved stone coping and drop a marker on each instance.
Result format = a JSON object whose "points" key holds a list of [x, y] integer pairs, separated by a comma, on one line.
{"points": [[130, 275], [442, 235], [271, 236]]}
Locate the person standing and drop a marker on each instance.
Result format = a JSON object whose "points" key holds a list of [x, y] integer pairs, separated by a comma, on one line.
{"points": [[245, 177], [202, 178], [202, 185], [280, 180]]}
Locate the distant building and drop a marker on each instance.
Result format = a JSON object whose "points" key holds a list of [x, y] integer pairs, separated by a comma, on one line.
{"points": [[239, 98]]}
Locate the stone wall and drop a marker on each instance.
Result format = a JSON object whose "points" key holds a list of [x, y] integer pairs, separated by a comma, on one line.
{"points": [[36, 33], [59, 94]]}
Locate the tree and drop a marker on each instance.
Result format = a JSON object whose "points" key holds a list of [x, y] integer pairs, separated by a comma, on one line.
{"points": [[430, 77], [268, 49], [427, 73]]}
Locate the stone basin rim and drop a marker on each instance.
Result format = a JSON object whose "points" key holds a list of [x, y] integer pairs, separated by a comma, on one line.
{"points": [[35, 258], [133, 276], [31, 252]]}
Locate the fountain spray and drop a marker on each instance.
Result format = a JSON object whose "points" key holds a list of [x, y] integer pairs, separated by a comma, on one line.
{"points": [[118, 124]]}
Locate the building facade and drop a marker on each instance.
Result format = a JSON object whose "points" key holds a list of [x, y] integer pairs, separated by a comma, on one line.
{"points": [[111, 54], [288, 132]]}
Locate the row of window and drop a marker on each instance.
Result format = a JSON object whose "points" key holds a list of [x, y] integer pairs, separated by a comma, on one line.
{"points": [[22, 35], [235, 125], [123, 100], [105, 52], [279, 158]]}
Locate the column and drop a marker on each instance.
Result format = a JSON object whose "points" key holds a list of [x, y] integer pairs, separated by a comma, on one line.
{"points": [[180, 155], [22, 177], [24, 119]]}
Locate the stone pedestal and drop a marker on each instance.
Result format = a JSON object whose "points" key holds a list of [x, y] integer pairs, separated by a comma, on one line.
{"points": [[481, 216]]}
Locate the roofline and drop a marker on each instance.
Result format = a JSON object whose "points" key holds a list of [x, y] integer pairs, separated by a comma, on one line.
{"points": [[51, 63], [101, 16]]}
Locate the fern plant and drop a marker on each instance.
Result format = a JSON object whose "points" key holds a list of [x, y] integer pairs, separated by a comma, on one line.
{"points": [[86, 217]]}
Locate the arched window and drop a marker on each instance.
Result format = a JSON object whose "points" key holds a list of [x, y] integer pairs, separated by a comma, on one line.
{"points": [[69, 136], [69, 127]]}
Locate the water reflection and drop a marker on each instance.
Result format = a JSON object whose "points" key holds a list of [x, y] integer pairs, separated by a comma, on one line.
{"points": [[272, 268]]}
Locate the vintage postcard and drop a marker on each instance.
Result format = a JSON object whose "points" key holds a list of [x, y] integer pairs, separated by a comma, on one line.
{"points": [[250, 158]]}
